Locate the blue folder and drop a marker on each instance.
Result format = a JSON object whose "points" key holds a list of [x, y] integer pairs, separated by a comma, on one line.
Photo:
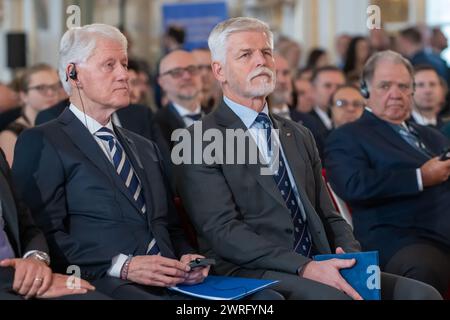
{"points": [[364, 276], [224, 288]]}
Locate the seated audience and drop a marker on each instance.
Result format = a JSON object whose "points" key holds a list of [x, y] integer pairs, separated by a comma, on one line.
{"points": [[347, 105], [99, 191], [211, 93], [390, 173], [39, 90], [427, 98], [268, 224]]}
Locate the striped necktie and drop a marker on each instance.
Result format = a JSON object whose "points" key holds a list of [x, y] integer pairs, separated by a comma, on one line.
{"points": [[125, 170], [302, 237], [412, 138], [194, 117]]}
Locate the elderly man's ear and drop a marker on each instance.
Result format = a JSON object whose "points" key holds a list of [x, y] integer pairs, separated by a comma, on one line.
{"points": [[218, 71]]}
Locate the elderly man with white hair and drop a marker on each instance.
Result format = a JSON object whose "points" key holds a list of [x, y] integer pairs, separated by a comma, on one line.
{"points": [[98, 191], [264, 225]]}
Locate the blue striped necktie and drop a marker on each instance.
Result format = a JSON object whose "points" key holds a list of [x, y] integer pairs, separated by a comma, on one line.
{"points": [[302, 237], [412, 138], [125, 170]]}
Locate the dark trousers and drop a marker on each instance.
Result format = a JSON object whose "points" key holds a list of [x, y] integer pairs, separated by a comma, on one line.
{"points": [[126, 290], [425, 262], [6, 292], [393, 287]]}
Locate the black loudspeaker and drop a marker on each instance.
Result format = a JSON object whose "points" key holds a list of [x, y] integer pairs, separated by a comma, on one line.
{"points": [[16, 50]]}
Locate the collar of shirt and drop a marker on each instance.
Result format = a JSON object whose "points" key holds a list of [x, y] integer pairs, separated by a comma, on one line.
{"points": [[184, 112], [324, 117], [247, 115], [422, 120], [90, 123], [403, 124]]}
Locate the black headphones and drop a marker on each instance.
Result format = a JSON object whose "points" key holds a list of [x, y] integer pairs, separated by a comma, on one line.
{"points": [[364, 89], [73, 72]]}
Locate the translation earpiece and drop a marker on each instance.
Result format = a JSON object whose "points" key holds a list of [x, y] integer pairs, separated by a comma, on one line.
{"points": [[364, 89], [73, 72]]}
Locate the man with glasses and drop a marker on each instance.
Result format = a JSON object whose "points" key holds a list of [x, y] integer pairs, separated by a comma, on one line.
{"points": [[391, 174], [179, 77], [347, 105]]}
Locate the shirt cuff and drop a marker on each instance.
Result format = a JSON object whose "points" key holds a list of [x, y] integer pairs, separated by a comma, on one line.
{"points": [[116, 265], [419, 179]]}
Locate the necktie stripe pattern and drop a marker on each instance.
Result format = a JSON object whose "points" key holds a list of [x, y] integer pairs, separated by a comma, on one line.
{"points": [[413, 139], [302, 237], [125, 171]]}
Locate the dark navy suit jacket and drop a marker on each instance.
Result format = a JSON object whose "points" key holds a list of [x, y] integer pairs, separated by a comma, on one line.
{"points": [[371, 167], [81, 203]]}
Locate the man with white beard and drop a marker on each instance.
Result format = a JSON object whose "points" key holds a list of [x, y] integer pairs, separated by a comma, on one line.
{"points": [[261, 223]]}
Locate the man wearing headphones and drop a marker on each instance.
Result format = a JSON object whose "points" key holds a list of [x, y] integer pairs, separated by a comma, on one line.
{"points": [[99, 192], [393, 176]]}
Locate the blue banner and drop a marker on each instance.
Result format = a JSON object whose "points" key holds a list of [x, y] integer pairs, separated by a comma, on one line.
{"points": [[198, 19]]}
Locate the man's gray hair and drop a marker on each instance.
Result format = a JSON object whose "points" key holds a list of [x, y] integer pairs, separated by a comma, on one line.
{"points": [[78, 44], [388, 55], [218, 37]]}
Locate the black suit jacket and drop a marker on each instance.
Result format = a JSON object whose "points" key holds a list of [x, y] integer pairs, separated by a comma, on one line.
{"points": [[22, 233], [136, 118], [240, 215], [167, 120], [314, 125], [9, 116], [438, 125], [371, 167], [81, 203]]}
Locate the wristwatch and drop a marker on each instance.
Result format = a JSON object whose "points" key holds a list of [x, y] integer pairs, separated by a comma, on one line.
{"points": [[41, 256]]}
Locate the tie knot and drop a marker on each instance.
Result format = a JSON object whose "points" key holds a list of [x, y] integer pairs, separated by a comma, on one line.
{"points": [[195, 116], [105, 134], [264, 119]]}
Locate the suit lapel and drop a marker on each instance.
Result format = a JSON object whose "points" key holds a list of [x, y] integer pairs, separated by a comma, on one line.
{"points": [[132, 155], [83, 139], [174, 118], [390, 136], [226, 118], [295, 156]]}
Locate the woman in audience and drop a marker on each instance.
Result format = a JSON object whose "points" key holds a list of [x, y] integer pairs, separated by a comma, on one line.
{"points": [[317, 58], [357, 54], [39, 89]]}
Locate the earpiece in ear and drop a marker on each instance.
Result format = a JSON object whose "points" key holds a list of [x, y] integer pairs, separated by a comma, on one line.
{"points": [[364, 89], [73, 72]]}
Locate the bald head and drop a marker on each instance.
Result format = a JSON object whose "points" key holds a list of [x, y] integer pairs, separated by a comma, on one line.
{"points": [[179, 77]]}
